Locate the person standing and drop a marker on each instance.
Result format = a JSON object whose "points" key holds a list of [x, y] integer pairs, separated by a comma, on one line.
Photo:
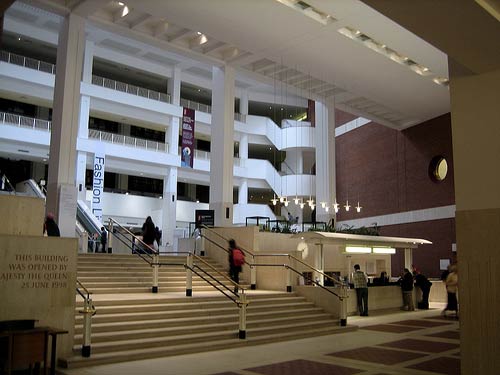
{"points": [[424, 284], [149, 235], [360, 281], [236, 260], [50, 226], [407, 288], [451, 290], [104, 239]]}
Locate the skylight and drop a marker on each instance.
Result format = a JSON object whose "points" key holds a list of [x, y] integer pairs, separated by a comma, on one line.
{"points": [[309, 11], [390, 53]]}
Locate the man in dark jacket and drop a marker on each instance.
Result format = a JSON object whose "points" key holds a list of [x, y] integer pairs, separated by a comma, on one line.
{"points": [[425, 286], [406, 282]]}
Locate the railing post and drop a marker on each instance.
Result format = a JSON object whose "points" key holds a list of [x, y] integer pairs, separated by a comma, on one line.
{"points": [[343, 305], [288, 279], [88, 311], [242, 334], [253, 275], [156, 266], [110, 237], [189, 275]]}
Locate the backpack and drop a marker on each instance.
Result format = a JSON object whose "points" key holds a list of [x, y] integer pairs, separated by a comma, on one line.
{"points": [[238, 257]]}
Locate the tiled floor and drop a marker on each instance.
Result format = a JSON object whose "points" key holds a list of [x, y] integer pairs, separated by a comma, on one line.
{"points": [[419, 342]]}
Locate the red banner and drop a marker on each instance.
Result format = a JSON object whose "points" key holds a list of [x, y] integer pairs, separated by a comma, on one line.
{"points": [[187, 140]]}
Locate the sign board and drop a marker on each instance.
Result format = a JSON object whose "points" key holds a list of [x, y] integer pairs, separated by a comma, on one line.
{"points": [[98, 184], [187, 138], [205, 217]]}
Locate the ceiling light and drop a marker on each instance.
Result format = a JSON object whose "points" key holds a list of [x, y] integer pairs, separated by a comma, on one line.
{"points": [[125, 11], [358, 249], [384, 250], [296, 200], [198, 33], [120, 3], [302, 204], [160, 197], [327, 208], [441, 81], [347, 206], [358, 208]]}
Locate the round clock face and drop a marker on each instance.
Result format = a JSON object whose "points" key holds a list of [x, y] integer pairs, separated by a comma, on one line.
{"points": [[438, 168]]}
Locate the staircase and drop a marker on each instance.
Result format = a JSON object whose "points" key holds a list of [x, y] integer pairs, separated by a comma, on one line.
{"points": [[117, 273], [147, 325]]}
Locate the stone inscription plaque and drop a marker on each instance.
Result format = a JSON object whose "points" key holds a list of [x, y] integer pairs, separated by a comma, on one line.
{"points": [[35, 271]]}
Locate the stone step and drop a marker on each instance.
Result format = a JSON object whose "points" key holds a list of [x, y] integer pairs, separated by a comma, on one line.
{"points": [[256, 319], [196, 347], [208, 325], [281, 309]]}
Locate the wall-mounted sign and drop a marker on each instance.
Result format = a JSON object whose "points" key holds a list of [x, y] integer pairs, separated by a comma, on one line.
{"points": [[187, 138], [98, 184], [205, 217]]}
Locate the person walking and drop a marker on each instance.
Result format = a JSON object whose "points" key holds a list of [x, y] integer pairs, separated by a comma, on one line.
{"points": [[360, 281], [236, 260], [149, 235], [104, 239], [50, 227], [406, 282]]}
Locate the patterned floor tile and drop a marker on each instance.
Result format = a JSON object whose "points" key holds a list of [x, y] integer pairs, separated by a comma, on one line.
{"points": [[301, 367], [378, 355], [420, 323], [391, 328], [421, 345], [446, 335], [441, 365]]}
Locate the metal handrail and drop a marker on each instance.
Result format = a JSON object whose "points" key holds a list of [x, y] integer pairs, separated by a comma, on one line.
{"points": [[289, 256], [25, 122], [136, 239], [131, 89], [196, 106], [126, 140], [27, 62]]}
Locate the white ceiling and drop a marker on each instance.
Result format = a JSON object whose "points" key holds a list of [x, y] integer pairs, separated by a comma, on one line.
{"points": [[269, 43]]}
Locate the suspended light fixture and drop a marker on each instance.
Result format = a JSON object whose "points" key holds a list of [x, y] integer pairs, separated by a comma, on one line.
{"points": [[327, 208], [296, 200], [358, 208], [274, 200], [285, 202], [323, 204], [302, 204], [347, 206], [336, 206]]}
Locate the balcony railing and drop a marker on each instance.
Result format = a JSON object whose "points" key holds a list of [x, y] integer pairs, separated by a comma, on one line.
{"points": [[27, 62], [196, 106], [130, 89], [126, 140], [25, 122]]}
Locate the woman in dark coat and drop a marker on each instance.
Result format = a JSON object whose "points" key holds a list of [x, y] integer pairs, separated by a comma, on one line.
{"points": [[149, 234]]}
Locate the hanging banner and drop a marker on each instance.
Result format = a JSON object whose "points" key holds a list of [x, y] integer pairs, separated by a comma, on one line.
{"points": [[98, 184], [187, 139]]}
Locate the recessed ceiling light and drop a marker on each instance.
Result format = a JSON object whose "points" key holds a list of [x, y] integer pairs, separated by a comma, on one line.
{"points": [[120, 3], [309, 11], [198, 33]]}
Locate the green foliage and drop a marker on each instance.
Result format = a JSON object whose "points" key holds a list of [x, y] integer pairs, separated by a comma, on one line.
{"points": [[366, 231]]}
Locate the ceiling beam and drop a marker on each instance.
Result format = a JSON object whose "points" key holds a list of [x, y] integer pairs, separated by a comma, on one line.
{"points": [[140, 21], [180, 35], [86, 8], [160, 29]]}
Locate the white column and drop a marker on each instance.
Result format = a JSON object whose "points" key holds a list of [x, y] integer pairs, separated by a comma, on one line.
{"points": [[81, 168], [62, 192], [222, 161], [325, 159], [243, 150], [169, 208], [88, 61], [244, 105], [172, 136], [174, 86], [408, 258], [243, 192]]}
